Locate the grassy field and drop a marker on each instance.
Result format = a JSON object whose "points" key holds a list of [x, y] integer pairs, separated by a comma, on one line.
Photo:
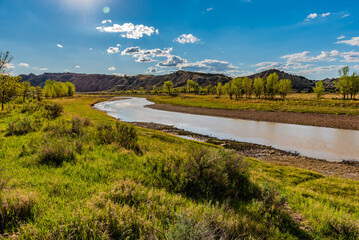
{"points": [[299, 102], [81, 176]]}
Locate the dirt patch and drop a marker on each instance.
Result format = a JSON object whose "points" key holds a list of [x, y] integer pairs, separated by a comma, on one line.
{"points": [[309, 119], [344, 169]]}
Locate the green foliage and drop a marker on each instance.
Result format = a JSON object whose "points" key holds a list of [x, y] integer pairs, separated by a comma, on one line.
{"points": [[237, 86], [5, 59], [319, 89], [54, 89], [56, 152], [54, 110], [348, 85], [258, 87], [272, 85], [9, 87], [219, 89], [168, 87], [20, 127], [247, 86], [284, 87], [228, 89], [25, 90]]}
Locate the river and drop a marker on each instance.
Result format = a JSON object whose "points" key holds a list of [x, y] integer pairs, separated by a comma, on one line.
{"points": [[318, 142]]}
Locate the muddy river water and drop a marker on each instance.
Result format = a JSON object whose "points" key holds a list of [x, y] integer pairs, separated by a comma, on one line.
{"points": [[317, 142]]}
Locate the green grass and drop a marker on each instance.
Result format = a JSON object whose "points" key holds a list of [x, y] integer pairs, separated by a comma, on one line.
{"points": [[106, 191], [303, 103]]}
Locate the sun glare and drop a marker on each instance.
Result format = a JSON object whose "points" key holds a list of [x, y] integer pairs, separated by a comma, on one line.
{"points": [[82, 5]]}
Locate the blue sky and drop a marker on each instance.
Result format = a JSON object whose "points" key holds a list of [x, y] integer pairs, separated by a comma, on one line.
{"points": [[310, 38]]}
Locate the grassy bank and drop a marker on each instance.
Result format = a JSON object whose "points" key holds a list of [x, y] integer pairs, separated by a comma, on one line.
{"points": [[303, 103], [80, 175]]}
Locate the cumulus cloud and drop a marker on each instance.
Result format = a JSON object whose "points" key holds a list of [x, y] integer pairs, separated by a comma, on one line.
{"points": [[172, 61], [129, 30], [325, 14], [304, 57], [24, 65], [111, 69], [59, 45], [119, 74], [153, 70], [209, 65], [268, 65], [113, 50], [143, 55], [316, 15], [312, 16], [106, 21], [341, 37], [187, 38], [77, 66], [352, 42], [320, 69]]}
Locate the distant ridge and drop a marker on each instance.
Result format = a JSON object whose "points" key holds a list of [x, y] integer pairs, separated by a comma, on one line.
{"points": [[102, 82]]}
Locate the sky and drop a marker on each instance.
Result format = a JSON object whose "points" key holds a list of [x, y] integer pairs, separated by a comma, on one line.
{"points": [[311, 38]]}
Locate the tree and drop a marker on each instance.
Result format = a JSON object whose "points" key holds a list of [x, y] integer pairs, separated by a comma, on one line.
{"points": [[190, 85], [247, 85], [38, 93], [319, 89], [25, 90], [219, 89], [5, 59], [167, 86], [237, 87], [258, 87], [343, 83], [196, 88], [228, 89], [71, 89], [9, 87], [272, 85], [354, 85], [284, 87]]}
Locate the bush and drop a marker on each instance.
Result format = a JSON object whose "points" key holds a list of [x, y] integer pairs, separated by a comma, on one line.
{"points": [[32, 107], [205, 174], [56, 153], [20, 127], [123, 134], [15, 208], [54, 110]]}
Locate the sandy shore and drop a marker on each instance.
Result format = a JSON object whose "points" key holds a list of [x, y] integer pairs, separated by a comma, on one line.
{"points": [[309, 119]]}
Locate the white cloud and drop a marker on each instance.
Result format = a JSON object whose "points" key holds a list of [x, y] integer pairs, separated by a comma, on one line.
{"points": [[119, 74], [187, 38], [319, 70], [43, 69], [111, 69], [113, 50], [24, 65], [77, 66], [350, 56], [356, 67], [209, 65], [129, 30], [304, 57], [268, 65], [153, 70], [346, 15], [325, 14], [352, 42], [172, 61], [312, 16], [59, 45], [144, 55], [341, 37], [9, 66], [209, 9], [106, 21], [90, 49]]}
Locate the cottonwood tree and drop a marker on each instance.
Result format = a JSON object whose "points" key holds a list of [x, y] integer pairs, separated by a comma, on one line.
{"points": [[237, 87], [228, 89], [25, 90], [258, 86], [319, 89], [9, 87], [39, 93], [168, 86], [5, 59], [247, 84], [343, 83], [190, 85], [284, 87], [272, 85], [219, 89]]}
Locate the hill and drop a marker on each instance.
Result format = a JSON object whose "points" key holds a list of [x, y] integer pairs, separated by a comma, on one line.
{"points": [[102, 82], [299, 83], [98, 82]]}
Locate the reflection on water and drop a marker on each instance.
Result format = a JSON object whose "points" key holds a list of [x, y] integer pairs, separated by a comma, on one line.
{"points": [[318, 142]]}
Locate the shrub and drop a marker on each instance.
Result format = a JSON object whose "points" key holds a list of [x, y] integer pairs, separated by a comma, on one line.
{"points": [[54, 110], [205, 174], [32, 107], [56, 153], [15, 208], [20, 127], [123, 134]]}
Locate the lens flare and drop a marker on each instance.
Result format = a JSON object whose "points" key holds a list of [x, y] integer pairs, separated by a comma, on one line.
{"points": [[106, 9]]}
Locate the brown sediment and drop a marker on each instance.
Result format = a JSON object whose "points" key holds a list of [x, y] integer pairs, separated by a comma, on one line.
{"points": [[309, 119], [344, 169]]}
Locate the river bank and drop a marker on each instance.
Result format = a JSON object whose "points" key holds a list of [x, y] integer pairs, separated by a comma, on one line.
{"points": [[309, 119], [344, 169]]}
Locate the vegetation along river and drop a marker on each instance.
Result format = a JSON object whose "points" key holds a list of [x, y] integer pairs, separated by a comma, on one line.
{"points": [[318, 142]]}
